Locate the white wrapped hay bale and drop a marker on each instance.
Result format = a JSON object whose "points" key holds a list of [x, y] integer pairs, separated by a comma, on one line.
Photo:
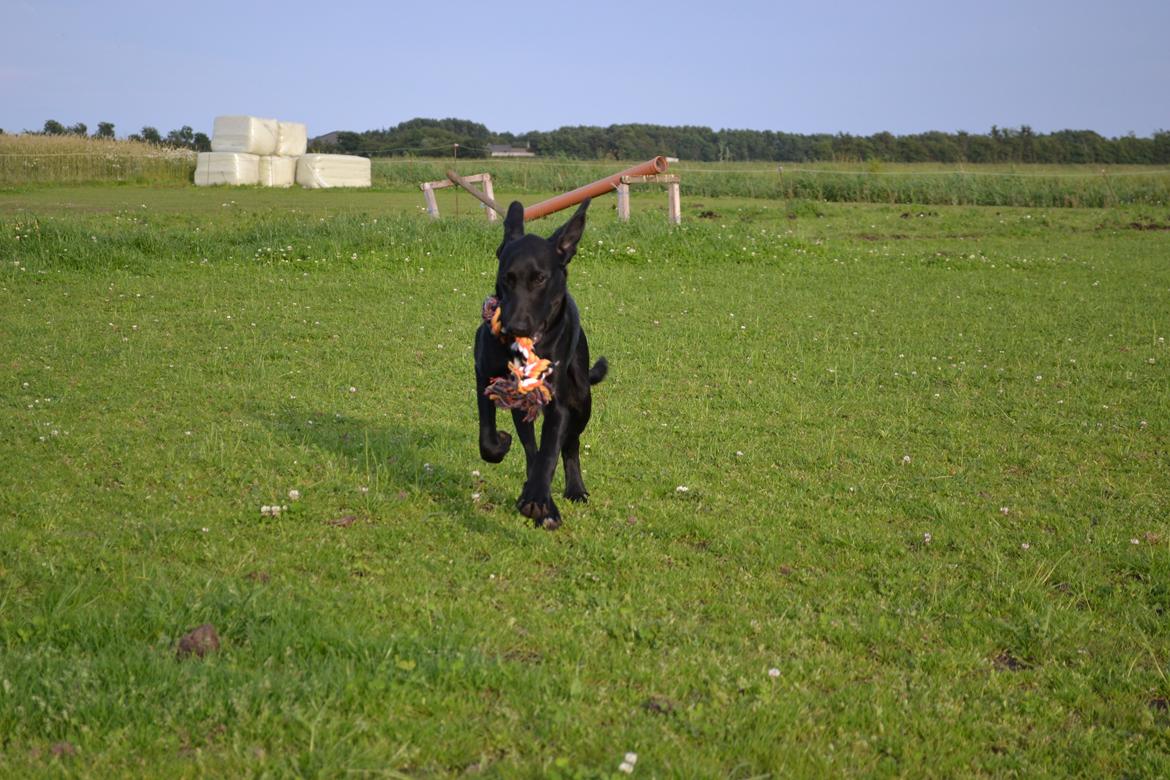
{"points": [[278, 171], [246, 134], [333, 170], [292, 138], [226, 168]]}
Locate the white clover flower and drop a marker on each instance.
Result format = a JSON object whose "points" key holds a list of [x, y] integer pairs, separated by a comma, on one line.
{"points": [[1003, 510], [905, 460], [773, 672], [294, 494], [1025, 546], [681, 489], [927, 538]]}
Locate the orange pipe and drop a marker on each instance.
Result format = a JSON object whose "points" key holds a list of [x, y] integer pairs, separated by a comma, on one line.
{"points": [[599, 187]]}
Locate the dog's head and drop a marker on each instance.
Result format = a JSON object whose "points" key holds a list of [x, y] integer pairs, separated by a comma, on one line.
{"points": [[532, 279]]}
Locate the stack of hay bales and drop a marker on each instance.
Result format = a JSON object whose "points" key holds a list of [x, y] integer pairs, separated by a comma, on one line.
{"points": [[251, 150]]}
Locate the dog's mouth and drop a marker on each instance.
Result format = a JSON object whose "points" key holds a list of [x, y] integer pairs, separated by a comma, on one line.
{"points": [[533, 336]]}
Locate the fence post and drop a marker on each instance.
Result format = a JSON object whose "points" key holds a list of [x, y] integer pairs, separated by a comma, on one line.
{"points": [[623, 201], [491, 195], [432, 204]]}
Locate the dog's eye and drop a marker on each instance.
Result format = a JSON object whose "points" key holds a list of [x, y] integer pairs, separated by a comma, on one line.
{"points": [[539, 280]]}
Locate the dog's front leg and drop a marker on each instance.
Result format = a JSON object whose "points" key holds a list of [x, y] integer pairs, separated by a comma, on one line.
{"points": [[493, 444], [526, 430], [536, 498]]}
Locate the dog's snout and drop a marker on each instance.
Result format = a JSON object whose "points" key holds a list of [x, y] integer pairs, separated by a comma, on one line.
{"points": [[518, 328]]}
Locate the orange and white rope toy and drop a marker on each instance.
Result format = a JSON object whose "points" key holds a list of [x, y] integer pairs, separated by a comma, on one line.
{"points": [[527, 388]]}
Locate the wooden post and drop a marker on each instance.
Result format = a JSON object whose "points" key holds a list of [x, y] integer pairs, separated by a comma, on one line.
{"points": [[623, 202], [486, 197], [481, 197], [432, 204], [674, 200], [491, 195]]}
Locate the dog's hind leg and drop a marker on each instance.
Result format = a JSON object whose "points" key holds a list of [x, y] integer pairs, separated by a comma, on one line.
{"points": [[571, 453], [535, 499]]}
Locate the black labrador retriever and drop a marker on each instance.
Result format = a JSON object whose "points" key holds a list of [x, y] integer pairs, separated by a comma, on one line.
{"points": [[534, 302]]}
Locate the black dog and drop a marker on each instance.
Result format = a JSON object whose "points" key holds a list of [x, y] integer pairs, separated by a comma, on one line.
{"points": [[534, 301]]}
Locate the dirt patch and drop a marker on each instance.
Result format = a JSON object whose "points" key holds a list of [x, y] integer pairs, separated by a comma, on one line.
{"points": [[198, 642], [345, 521], [659, 705], [876, 237], [1159, 704], [708, 214], [1007, 662], [1148, 226], [523, 655]]}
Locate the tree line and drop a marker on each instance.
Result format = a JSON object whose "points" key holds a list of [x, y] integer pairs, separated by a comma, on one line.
{"points": [[438, 137], [183, 138], [445, 137]]}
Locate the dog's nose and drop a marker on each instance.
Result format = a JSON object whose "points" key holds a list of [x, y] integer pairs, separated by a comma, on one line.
{"points": [[518, 329]]}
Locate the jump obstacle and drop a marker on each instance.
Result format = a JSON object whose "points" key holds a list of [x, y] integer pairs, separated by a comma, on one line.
{"points": [[650, 172]]}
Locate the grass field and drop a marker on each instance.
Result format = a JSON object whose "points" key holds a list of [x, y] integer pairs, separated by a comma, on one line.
{"points": [[37, 160], [876, 490]]}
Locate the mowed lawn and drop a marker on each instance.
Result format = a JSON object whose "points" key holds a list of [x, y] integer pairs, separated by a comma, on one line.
{"points": [[876, 490]]}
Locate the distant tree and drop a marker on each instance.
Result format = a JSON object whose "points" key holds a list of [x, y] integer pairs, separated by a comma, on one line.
{"points": [[183, 137], [53, 127], [349, 142], [202, 143], [104, 130], [150, 135], [78, 129], [436, 137], [1161, 151]]}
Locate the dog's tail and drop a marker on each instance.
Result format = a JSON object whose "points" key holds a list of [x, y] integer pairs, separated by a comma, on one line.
{"points": [[598, 372]]}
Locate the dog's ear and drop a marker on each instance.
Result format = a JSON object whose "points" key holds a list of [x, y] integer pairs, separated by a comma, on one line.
{"points": [[565, 240], [514, 222]]}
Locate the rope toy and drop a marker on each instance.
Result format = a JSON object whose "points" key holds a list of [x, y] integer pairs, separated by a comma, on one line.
{"points": [[527, 388]]}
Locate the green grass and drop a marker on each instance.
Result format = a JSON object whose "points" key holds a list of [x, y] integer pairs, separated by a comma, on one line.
{"points": [[1038, 186], [29, 161], [830, 383]]}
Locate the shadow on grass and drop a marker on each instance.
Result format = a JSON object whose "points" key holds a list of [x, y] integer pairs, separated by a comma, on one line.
{"points": [[392, 457]]}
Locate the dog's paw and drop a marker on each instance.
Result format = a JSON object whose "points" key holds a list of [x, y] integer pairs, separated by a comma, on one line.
{"points": [[577, 494], [538, 505], [494, 451]]}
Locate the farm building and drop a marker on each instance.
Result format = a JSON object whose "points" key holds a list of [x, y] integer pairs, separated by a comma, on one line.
{"points": [[506, 150]]}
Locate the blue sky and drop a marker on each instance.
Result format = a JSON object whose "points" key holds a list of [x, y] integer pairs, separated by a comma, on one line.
{"points": [[857, 67]]}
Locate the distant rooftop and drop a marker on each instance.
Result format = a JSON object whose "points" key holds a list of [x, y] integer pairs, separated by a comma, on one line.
{"points": [[506, 150]]}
